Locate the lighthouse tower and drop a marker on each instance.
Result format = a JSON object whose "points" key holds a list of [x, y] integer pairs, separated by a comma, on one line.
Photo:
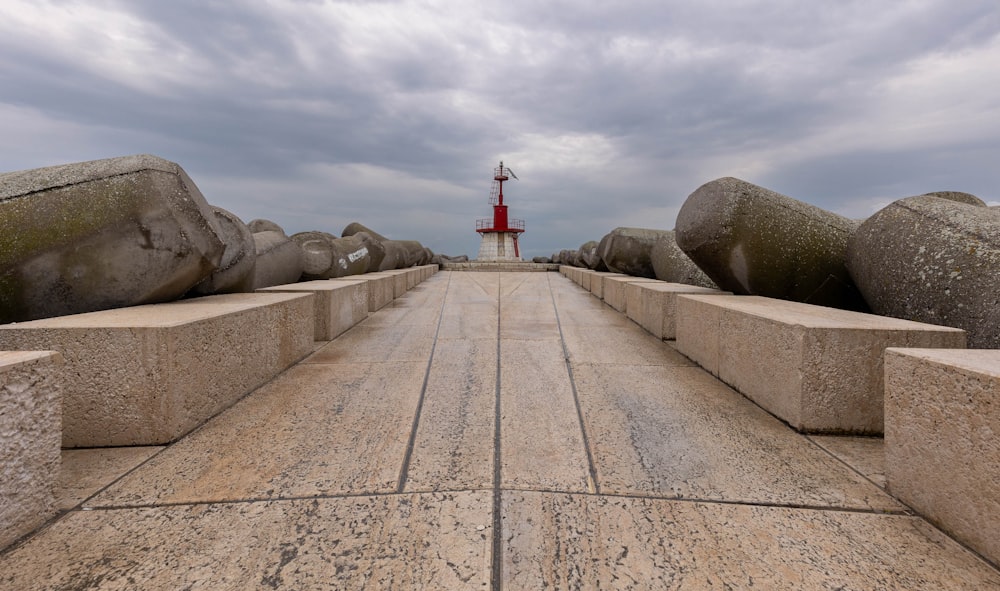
{"points": [[500, 233]]}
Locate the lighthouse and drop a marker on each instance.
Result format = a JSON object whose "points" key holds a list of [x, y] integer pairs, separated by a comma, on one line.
{"points": [[500, 233]]}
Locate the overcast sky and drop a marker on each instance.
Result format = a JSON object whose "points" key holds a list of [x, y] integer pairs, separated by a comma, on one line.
{"points": [[316, 113]]}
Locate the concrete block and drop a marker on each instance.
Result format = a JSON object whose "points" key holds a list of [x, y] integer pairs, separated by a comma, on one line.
{"points": [[339, 304], [653, 306], [614, 290], [582, 277], [819, 369], [942, 421], [381, 289], [30, 433], [147, 375], [597, 282]]}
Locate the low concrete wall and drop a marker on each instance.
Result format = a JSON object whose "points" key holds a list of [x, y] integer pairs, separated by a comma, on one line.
{"points": [[615, 294], [597, 282], [147, 375], [942, 440], [653, 306], [819, 369], [338, 304], [30, 437]]}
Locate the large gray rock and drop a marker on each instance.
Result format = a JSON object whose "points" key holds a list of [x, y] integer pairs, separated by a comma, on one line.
{"points": [[235, 272], [932, 260], [279, 260], [752, 241], [672, 265], [627, 250], [102, 234]]}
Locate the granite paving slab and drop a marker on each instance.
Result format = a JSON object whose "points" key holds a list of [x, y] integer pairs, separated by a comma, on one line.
{"points": [[86, 471], [864, 454], [413, 541], [678, 432], [316, 430], [454, 443], [567, 541], [541, 442]]}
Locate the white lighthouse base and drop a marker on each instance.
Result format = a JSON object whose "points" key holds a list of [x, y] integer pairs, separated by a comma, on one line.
{"points": [[497, 246]]}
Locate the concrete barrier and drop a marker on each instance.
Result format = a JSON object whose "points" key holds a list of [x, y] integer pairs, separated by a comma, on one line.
{"points": [[653, 306], [147, 375], [597, 282], [614, 290], [380, 289], [942, 452], [339, 304], [31, 433], [819, 369]]}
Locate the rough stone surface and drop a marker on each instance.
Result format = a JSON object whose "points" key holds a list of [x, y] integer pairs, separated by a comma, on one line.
{"points": [[627, 250], [818, 368], [672, 265], [543, 260], [752, 241], [317, 253], [932, 260], [30, 432], [653, 306], [279, 260], [354, 227], [260, 225], [941, 444], [235, 272], [147, 375], [338, 305], [587, 254], [614, 292], [101, 234]]}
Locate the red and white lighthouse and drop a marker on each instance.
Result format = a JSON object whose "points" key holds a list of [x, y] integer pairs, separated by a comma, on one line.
{"points": [[499, 234]]}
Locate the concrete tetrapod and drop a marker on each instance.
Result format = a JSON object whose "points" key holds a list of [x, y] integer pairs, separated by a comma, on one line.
{"points": [[672, 265], [933, 260], [627, 250], [102, 234], [235, 272], [279, 260], [753, 241]]}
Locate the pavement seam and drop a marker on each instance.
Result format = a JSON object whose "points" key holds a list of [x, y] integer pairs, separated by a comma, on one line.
{"points": [[411, 442], [496, 556], [593, 485]]}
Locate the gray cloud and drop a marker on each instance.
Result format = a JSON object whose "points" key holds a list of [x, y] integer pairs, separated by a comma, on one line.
{"points": [[316, 114]]}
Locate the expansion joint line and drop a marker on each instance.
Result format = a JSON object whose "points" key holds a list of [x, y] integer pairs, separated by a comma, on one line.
{"points": [[497, 544], [405, 469], [592, 485]]}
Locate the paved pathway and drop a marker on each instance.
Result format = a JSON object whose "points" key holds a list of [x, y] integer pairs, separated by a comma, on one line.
{"points": [[488, 431]]}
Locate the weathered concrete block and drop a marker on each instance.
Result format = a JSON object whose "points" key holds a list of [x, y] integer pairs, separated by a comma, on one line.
{"points": [[671, 264], [102, 234], [149, 374], [338, 305], [31, 433], [614, 290], [942, 452], [819, 369], [934, 259], [628, 250], [236, 269], [753, 241], [653, 306], [279, 260]]}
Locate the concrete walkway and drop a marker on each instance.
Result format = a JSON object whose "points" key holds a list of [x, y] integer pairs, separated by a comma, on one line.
{"points": [[488, 431]]}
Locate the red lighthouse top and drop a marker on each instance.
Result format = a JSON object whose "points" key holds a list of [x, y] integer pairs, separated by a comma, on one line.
{"points": [[500, 222]]}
